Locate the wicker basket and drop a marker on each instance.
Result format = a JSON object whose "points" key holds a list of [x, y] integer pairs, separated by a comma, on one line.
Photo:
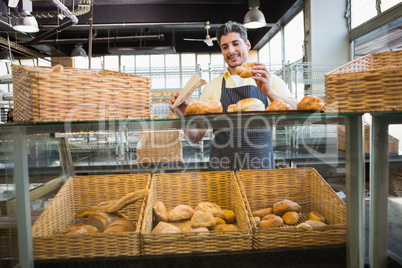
{"points": [[372, 83], [190, 189], [77, 194], [159, 146], [41, 95], [263, 188]]}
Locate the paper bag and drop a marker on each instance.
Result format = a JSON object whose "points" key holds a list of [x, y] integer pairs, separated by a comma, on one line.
{"points": [[194, 82]]}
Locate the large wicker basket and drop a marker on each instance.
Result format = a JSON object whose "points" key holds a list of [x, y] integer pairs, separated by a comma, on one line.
{"points": [[159, 146], [190, 189], [263, 188], [77, 194], [43, 95], [372, 83]]}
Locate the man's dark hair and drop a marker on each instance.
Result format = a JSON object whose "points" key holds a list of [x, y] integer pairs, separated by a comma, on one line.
{"points": [[230, 27]]}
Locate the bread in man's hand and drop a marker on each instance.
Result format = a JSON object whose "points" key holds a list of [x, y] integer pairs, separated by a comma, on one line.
{"points": [[245, 70]]}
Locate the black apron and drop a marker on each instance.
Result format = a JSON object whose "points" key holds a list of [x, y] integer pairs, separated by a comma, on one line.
{"points": [[240, 148]]}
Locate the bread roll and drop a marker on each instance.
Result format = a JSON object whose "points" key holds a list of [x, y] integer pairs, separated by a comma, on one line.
{"points": [[262, 212], [291, 217], [120, 226], [170, 116], [58, 69], [284, 206], [213, 208], [128, 199], [100, 220], [230, 216], [311, 223], [313, 215], [180, 212], [160, 211], [203, 218], [279, 105], [191, 229], [226, 227], [165, 228], [246, 105], [270, 221], [245, 70], [311, 103], [219, 220], [204, 107]]}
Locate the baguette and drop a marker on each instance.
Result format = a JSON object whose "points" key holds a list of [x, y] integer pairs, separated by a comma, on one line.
{"points": [[127, 200]]}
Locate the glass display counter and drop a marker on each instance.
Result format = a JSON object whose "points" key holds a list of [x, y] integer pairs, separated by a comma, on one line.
{"points": [[18, 135]]}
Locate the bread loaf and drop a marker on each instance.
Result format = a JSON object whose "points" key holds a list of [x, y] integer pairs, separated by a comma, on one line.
{"points": [[204, 107], [202, 218], [165, 228], [284, 206], [279, 105], [127, 200], [100, 220], [311, 103], [180, 224], [119, 226], [213, 208], [78, 229], [180, 212], [160, 211], [245, 70], [246, 105], [311, 223]]}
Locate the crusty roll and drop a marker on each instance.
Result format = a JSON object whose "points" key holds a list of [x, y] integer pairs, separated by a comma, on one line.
{"points": [[127, 200], [284, 206], [165, 228], [181, 224], [262, 212], [203, 218], [204, 107], [313, 215], [180, 212], [160, 211], [279, 105], [170, 116], [311, 103], [270, 221], [245, 105], [291, 217], [226, 227], [213, 208], [190, 229], [120, 226], [257, 220], [245, 70]]}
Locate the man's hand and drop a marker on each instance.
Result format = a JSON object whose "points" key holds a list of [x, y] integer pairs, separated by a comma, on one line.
{"points": [[262, 78], [179, 110]]}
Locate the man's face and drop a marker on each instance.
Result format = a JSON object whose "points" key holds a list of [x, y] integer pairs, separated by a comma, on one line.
{"points": [[234, 49]]}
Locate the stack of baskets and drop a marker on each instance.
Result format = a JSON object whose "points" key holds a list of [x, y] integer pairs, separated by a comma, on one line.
{"points": [[372, 83], [45, 94]]}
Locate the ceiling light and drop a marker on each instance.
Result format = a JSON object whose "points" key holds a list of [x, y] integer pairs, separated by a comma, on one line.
{"points": [[26, 23], [254, 18], [6, 56], [78, 51]]}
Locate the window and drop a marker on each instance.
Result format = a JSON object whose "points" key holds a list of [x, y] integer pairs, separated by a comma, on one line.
{"points": [[362, 11], [294, 39]]}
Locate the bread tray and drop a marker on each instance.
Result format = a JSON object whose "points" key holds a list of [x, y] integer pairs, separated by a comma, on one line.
{"points": [[258, 113]]}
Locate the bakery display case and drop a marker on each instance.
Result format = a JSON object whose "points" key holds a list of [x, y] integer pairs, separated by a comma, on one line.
{"points": [[18, 135]]}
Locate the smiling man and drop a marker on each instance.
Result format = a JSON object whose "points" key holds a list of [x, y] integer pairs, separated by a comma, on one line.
{"points": [[246, 148]]}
